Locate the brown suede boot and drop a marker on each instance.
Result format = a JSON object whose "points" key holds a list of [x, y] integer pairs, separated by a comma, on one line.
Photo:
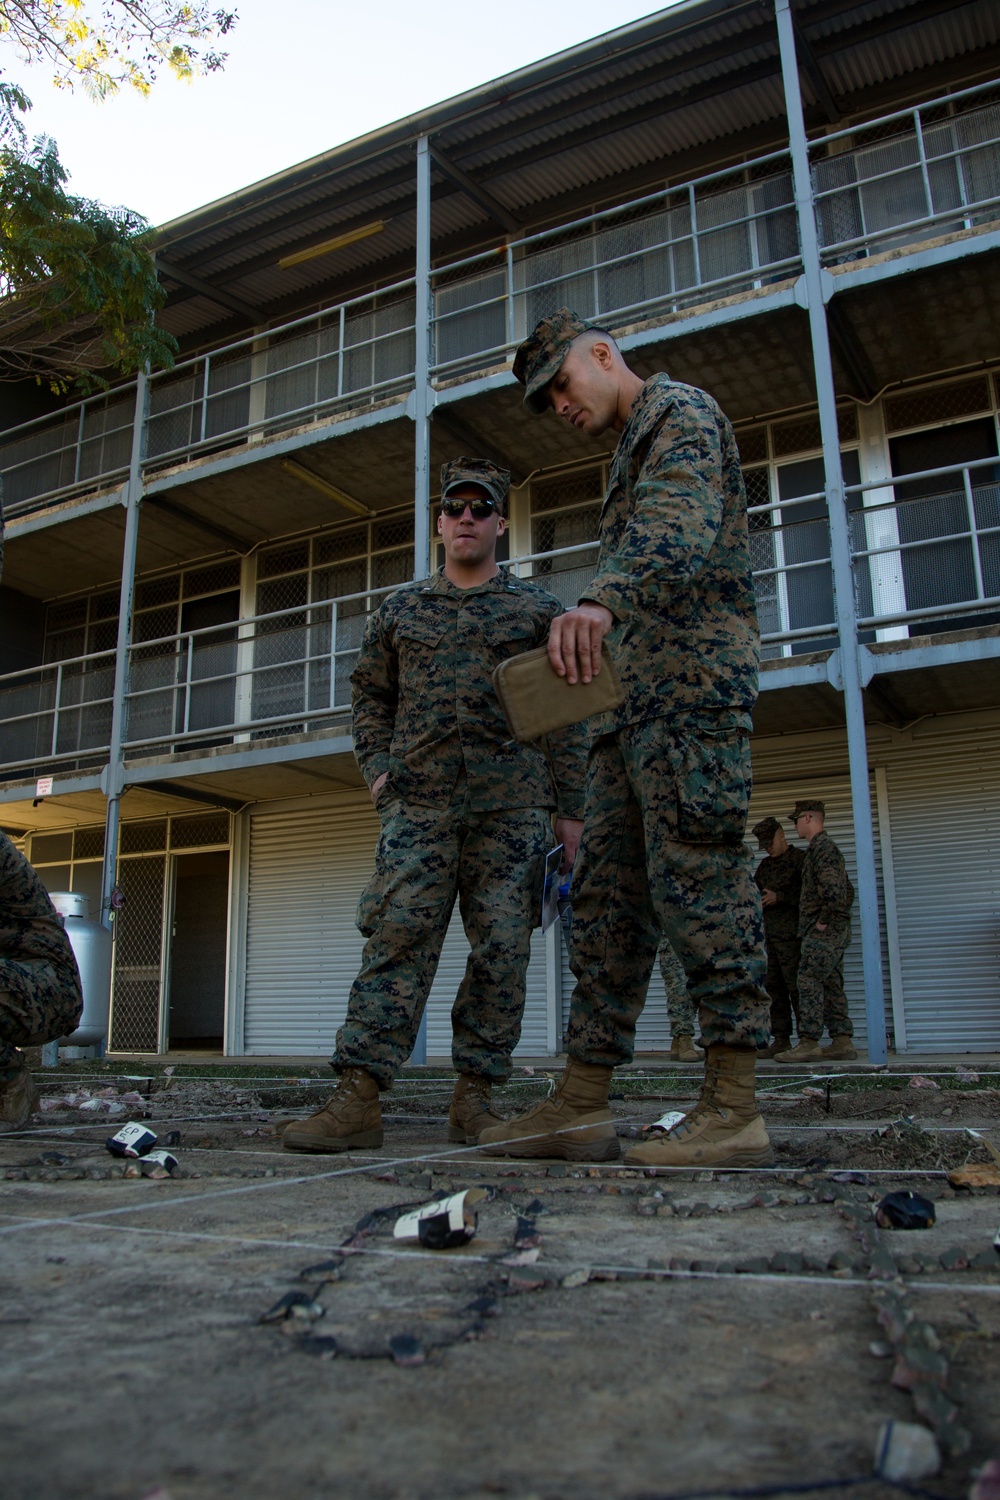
{"points": [[18, 1097], [723, 1130], [574, 1123], [841, 1049], [780, 1044], [808, 1051], [350, 1120], [682, 1048], [470, 1112]]}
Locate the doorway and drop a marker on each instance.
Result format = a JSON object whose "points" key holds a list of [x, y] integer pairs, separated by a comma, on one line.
{"points": [[196, 982]]}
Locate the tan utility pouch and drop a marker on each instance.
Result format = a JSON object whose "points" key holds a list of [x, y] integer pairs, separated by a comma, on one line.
{"points": [[538, 701]]}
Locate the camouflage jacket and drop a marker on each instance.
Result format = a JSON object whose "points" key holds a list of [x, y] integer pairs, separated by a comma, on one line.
{"points": [[674, 562], [424, 705], [782, 874], [827, 894], [30, 926]]}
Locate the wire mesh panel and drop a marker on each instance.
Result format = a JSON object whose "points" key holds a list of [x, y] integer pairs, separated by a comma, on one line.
{"points": [[881, 186], [90, 441], [135, 1012]]}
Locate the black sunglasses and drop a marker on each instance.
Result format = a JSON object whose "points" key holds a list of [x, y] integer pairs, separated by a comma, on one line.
{"points": [[481, 508]]}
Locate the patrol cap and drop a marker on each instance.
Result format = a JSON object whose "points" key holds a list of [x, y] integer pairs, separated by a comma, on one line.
{"points": [[539, 358], [807, 806], [494, 480], [764, 831]]}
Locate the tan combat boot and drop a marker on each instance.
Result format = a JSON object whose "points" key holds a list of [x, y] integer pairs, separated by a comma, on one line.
{"points": [[841, 1049], [723, 1130], [574, 1123], [350, 1120], [470, 1112], [808, 1051], [780, 1044], [682, 1049], [18, 1097]]}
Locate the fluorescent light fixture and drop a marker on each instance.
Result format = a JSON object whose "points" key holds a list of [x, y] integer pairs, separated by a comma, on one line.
{"points": [[337, 243], [317, 482]]}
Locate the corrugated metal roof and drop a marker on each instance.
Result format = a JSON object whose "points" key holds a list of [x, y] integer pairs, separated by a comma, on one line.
{"points": [[645, 99]]}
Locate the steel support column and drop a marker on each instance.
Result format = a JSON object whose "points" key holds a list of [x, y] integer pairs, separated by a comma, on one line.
{"points": [[115, 772], [422, 353], [840, 542]]}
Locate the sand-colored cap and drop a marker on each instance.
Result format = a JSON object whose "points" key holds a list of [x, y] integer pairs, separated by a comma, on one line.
{"points": [[490, 477], [538, 359], [807, 805], [764, 831]]}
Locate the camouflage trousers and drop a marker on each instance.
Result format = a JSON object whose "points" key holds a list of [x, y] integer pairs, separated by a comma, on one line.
{"points": [[821, 982], [493, 863], [40, 995], [663, 855], [782, 983], [680, 1011]]}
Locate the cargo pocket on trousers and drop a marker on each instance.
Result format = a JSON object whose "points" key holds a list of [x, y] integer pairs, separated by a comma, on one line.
{"points": [[713, 788]]}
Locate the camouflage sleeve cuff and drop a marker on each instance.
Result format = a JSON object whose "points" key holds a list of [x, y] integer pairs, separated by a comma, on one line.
{"points": [[570, 805], [374, 767], [611, 595]]}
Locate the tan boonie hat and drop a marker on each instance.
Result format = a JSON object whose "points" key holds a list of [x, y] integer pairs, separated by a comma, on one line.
{"points": [[494, 480], [538, 359], [764, 831], [806, 807]]}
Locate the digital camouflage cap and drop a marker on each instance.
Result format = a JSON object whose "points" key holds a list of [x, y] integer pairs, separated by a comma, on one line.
{"points": [[765, 830], [494, 480], [538, 359], [805, 806]]}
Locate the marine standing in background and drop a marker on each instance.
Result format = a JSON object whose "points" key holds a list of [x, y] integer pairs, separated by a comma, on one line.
{"points": [[825, 930], [779, 880], [669, 773], [464, 813], [40, 995], [680, 1011]]}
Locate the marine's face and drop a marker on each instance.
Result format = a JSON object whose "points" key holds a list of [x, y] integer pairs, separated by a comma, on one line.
{"points": [[807, 825], [778, 844], [470, 540], [584, 391]]}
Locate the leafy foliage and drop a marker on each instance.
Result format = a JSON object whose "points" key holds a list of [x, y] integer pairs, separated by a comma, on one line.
{"points": [[105, 43], [78, 286]]}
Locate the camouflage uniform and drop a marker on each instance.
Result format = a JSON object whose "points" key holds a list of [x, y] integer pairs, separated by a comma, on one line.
{"points": [[680, 1011], [465, 812], [782, 874], [827, 896], [40, 994], [669, 776]]}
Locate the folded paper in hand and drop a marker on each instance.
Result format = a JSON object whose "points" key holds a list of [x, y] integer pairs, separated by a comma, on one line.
{"points": [[537, 700]]}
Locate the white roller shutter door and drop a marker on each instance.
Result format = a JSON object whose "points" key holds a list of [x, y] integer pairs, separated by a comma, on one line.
{"points": [[944, 806], [308, 865]]}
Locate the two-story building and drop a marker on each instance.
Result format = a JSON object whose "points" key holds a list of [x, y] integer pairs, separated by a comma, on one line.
{"points": [[796, 206]]}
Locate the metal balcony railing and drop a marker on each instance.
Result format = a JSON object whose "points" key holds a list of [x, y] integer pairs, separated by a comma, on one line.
{"points": [[927, 548], [715, 236], [926, 553], [361, 350], [933, 169], [57, 714], [279, 673]]}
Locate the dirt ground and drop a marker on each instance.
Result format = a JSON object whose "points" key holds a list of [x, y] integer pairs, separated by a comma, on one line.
{"points": [[607, 1333]]}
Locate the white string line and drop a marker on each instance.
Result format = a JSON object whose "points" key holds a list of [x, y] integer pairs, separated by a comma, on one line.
{"points": [[443, 1260]]}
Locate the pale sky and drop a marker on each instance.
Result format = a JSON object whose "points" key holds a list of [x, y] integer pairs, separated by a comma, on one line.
{"points": [[302, 77]]}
